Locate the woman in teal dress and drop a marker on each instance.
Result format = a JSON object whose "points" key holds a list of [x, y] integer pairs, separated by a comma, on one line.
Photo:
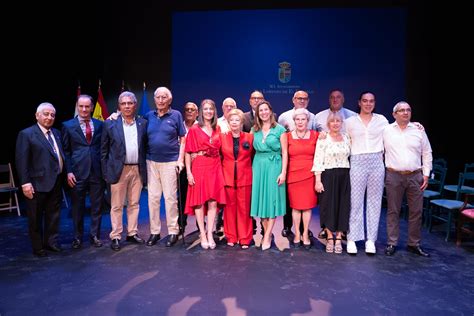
{"points": [[269, 170]]}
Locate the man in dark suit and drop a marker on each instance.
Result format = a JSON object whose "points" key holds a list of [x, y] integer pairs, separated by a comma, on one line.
{"points": [[123, 159], [249, 117], [39, 163], [81, 138]]}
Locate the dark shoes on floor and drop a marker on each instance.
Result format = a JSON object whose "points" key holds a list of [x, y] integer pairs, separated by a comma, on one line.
{"points": [[41, 253], [153, 239], [172, 239], [76, 243], [418, 251], [54, 248], [286, 232], [115, 244], [135, 239], [390, 250], [95, 241]]}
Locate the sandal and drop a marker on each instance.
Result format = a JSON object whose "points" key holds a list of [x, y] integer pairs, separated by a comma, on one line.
{"points": [[330, 245], [338, 246]]}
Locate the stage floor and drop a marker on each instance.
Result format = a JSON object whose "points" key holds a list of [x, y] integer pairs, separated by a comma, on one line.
{"points": [[187, 280]]}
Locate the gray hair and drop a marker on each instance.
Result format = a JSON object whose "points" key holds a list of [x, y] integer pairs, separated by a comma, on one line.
{"points": [[129, 94], [44, 105], [231, 100], [399, 104], [299, 112], [333, 116], [165, 90]]}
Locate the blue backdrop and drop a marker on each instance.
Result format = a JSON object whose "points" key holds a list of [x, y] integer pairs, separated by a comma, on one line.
{"points": [[216, 54]]}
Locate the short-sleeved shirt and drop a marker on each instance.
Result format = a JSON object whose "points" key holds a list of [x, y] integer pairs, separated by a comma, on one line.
{"points": [[163, 135]]}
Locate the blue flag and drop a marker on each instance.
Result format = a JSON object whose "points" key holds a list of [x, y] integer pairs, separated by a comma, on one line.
{"points": [[144, 107]]}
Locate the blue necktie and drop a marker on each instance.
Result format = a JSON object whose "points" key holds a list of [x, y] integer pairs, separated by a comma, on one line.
{"points": [[51, 142]]}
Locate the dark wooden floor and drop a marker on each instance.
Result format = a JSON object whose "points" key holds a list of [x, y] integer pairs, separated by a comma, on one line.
{"points": [[187, 280]]}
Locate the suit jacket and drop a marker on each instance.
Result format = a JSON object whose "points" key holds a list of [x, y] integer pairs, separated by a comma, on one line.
{"points": [[82, 158], [36, 162], [244, 159], [248, 121], [113, 151]]}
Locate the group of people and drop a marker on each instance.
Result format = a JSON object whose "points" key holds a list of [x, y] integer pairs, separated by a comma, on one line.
{"points": [[240, 166]]}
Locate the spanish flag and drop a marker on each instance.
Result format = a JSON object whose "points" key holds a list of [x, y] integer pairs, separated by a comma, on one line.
{"points": [[100, 110]]}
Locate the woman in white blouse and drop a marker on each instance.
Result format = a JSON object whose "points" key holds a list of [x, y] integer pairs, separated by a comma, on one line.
{"points": [[367, 173], [331, 167]]}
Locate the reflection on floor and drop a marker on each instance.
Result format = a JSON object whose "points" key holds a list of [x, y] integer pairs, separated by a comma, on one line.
{"points": [[188, 280]]}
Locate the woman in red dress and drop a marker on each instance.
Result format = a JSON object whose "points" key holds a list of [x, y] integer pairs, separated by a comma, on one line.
{"points": [[237, 150], [204, 172], [300, 179]]}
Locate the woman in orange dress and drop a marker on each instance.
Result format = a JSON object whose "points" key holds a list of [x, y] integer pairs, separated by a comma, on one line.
{"points": [[300, 179], [204, 172]]}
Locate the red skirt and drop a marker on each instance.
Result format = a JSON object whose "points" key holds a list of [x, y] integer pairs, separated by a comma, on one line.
{"points": [[209, 184]]}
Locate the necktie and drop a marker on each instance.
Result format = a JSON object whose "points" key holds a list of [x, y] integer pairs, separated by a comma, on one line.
{"points": [[51, 142], [88, 132]]}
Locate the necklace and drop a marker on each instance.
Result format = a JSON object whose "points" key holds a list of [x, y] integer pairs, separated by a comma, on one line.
{"points": [[265, 134], [301, 137], [207, 133]]}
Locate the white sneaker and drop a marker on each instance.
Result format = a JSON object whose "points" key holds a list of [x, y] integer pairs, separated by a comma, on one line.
{"points": [[370, 247], [351, 247]]}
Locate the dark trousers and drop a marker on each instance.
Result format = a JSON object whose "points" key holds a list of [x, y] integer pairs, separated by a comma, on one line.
{"points": [[396, 186], [95, 186], [43, 216], [183, 189]]}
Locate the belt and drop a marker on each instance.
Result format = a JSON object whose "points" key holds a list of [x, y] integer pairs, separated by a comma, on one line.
{"points": [[130, 164], [403, 172]]}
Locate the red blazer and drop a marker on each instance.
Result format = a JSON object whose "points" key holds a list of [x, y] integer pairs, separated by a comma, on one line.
{"points": [[244, 159]]}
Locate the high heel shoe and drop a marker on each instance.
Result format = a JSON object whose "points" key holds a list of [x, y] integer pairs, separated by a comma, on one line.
{"points": [[338, 246], [267, 246], [211, 243], [307, 246], [204, 243], [330, 245]]}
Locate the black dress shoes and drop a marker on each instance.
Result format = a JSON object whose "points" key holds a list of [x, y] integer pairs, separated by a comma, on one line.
{"points": [[286, 232], [173, 238], [95, 241], [153, 239], [76, 243], [390, 250], [40, 253], [54, 248], [135, 239], [322, 234], [115, 244], [417, 250]]}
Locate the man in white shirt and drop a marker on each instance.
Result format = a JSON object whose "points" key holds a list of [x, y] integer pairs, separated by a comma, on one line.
{"points": [[227, 105], [408, 161], [336, 104]]}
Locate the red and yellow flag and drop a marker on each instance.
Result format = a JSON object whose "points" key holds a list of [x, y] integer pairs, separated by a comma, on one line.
{"points": [[100, 110]]}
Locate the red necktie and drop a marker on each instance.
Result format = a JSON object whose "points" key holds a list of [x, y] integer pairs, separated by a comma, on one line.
{"points": [[88, 132]]}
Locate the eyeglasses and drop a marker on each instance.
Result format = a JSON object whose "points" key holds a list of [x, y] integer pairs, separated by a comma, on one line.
{"points": [[256, 98], [404, 110], [127, 103], [190, 110], [301, 99]]}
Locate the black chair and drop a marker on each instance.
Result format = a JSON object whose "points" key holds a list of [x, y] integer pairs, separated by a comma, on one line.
{"points": [[7, 185]]}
